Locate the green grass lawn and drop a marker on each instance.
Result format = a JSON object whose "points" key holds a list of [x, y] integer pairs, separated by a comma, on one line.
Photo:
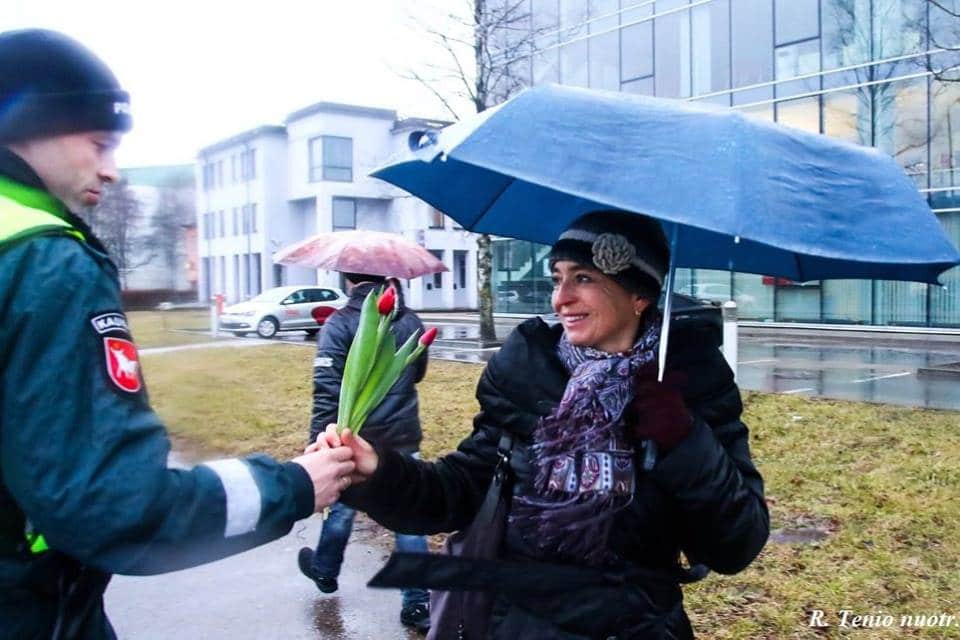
{"points": [[883, 481]]}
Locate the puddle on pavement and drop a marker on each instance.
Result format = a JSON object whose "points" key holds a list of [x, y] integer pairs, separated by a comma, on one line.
{"points": [[800, 535]]}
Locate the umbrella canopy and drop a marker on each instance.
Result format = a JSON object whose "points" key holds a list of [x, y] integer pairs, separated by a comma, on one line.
{"points": [[732, 193], [371, 252]]}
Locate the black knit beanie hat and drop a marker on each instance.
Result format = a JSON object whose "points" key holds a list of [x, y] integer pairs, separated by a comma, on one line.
{"points": [[628, 247], [51, 84]]}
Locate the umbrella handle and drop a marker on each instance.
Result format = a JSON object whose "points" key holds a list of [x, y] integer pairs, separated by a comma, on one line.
{"points": [[667, 305]]}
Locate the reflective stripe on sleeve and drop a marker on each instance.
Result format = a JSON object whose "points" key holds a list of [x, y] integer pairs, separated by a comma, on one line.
{"points": [[243, 495]]}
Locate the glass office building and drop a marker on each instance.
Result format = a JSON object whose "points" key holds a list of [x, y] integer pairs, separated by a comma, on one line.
{"points": [[860, 70]]}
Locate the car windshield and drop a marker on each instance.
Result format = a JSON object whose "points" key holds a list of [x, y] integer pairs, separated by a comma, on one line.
{"points": [[273, 295]]}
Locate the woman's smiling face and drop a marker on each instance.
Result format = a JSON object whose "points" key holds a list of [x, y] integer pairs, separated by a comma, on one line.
{"points": [[594, 309]]}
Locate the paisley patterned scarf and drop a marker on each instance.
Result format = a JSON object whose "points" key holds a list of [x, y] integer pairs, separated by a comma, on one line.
{"points": [[584, 460]]}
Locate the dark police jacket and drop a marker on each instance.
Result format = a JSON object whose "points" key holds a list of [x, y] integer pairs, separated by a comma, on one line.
{"points": [[83, 458], [395, 423], [705, 497]]}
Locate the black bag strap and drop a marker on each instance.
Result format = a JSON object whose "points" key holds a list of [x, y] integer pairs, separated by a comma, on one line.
{"points": [[488, 509]]}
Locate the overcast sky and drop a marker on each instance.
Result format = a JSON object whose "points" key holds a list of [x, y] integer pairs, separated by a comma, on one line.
{"points": [[202, 70]]}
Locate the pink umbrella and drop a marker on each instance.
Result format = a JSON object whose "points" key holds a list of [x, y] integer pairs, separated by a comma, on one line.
{"points": [[373, 252]]}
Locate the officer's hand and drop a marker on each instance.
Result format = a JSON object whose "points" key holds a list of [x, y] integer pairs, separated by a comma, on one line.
{"points": [[364, 455], [329, 439], [330, 471]]}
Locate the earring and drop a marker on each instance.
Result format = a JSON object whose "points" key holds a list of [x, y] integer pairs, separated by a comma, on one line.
{"points": [[638, 312]]}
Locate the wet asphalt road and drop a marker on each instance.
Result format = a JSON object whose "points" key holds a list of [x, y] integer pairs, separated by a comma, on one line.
{"points": [[261, 595]]}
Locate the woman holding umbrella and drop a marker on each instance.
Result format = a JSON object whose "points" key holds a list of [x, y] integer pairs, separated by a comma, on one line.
{"points": [[612, 473]]}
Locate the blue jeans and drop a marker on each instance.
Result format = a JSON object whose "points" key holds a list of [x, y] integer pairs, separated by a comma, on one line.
{"points": [[333, 541]]}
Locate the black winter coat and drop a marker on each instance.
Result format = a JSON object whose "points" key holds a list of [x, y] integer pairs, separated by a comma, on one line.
{"points": [[704, 498], [396, 422]]}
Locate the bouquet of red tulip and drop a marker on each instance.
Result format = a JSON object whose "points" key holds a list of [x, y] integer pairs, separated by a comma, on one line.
{"points": [[374, 363]]}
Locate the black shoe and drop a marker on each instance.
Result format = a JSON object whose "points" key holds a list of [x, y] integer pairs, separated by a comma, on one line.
{"points": [[305, 562], [416, 615]]}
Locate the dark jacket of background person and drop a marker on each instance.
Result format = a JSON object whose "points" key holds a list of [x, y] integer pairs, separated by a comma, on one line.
{"points": [[396, 422], [85, 462], [705, 497]]}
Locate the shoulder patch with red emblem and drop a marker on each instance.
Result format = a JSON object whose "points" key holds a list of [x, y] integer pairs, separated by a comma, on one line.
{"points": [[120, 353]]}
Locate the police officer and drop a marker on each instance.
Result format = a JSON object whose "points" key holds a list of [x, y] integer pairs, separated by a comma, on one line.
{"points": [[84, 486]]}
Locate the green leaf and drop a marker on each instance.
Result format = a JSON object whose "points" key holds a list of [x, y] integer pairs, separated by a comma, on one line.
{"points": [[390, 377], [384, 359], [359, 359]]}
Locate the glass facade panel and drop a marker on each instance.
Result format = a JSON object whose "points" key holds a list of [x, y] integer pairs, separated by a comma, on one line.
{"points": [[849, 301], [796, 20], [605, 61], [794, 60], [900, 303], [845, 36], [899, 27], [752, 42], [672, 52], [944, 136], [521, 279], [945, 300], [723, 44], [636, 46], [604, 15], [900, 125], [642, 86], [754, 297], [573, 64], [803, 113], [797, 302], [846, 115], [546, 57], [710, 39]]}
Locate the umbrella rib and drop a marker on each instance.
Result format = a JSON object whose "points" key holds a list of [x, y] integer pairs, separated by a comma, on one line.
{"points": [[493, 201]]}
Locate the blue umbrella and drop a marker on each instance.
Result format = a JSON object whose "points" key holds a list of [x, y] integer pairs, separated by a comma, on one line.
{"points": [[731, 193]]}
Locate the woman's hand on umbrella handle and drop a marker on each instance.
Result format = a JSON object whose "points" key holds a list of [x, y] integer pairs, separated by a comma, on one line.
{"points": [[329, 439], [364, 455]]}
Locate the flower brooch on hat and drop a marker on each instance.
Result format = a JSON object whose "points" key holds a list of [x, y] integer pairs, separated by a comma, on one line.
{"points": [[613, 253]]}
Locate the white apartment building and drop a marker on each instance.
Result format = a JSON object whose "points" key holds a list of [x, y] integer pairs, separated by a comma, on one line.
{"points": [[269, 187]]}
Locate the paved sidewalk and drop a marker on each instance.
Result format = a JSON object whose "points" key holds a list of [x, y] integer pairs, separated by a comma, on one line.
{"points": [[261, 595]]}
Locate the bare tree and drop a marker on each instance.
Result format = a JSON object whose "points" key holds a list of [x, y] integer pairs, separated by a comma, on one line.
{"points": [[174, 211], [116, 221], [944, 21], [485, 60]]}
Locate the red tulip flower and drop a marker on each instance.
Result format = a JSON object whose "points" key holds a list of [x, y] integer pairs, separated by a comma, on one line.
{"points": [[387, 301], [427, 338]]}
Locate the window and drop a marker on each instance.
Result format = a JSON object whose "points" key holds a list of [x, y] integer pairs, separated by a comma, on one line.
{"points": [[636, 49], [797, 20], [223, 226], [209, 175], [437, 277], [605, 47], [248, 164], [331, 158], [460, 257], [436, 219], [846, 33], [344, 213], [546, 21], [249, 212], [297, 297], [233, 168], [322, 295], [710, 39], [752, 42], [672, 51], [236, 222], [219, 178]]}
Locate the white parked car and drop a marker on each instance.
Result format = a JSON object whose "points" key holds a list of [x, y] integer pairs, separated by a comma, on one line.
{"points": [[291, 308]]}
